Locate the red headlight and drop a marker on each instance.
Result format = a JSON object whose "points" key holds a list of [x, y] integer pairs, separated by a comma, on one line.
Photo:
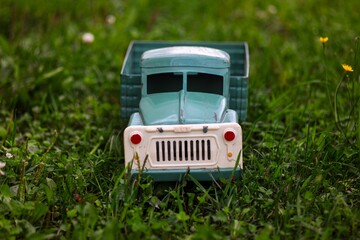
{"points": [[135, 138], [229, 136]]}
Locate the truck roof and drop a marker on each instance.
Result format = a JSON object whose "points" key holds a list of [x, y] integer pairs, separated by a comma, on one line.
{"points": [[182, 56]]}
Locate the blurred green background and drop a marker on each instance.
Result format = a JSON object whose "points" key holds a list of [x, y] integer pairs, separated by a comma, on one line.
{"points": [[283, 37]]}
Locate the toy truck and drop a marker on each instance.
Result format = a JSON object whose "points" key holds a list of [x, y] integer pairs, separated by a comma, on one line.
{"points": [[185, 101]]}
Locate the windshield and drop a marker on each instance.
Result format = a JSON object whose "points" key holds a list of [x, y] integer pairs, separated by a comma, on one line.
{"points": [[196, 82]]}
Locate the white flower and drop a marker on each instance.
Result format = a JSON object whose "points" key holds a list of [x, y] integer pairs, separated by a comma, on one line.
{"points": [[9, 155], [272, 9], [110, 19], [2, 164], [88, 37]]}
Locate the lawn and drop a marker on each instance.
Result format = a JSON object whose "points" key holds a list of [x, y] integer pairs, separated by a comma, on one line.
{"points": [[61, 158]]}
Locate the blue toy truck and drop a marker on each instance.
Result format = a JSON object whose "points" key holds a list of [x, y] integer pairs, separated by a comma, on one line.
{"points": [[184, 101]]}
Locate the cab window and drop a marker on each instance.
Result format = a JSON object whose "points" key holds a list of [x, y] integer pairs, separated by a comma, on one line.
{"points": [[164, 82], [203, 82]]}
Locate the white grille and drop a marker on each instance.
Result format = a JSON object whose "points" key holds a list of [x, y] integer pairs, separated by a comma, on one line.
{"points": [[178, 151]]}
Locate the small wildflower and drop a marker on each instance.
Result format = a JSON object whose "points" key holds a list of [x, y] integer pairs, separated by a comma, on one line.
{"points": [[347, 68], [88, 38], [272, 9], [110, 19], [9, 155], [324, 39], [2, 164]]}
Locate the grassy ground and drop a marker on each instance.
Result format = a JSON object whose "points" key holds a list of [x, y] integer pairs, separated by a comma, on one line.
{"points": [[60, 128]]}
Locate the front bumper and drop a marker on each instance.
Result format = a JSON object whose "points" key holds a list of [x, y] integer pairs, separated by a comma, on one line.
{"points": [[168, 152], [170, 175]]}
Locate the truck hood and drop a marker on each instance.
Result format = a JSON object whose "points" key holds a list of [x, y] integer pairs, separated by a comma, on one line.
{"points": [[182, 108]]}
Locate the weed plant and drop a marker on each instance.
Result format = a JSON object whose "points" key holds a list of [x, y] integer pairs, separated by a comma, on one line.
{"points": [[61, 157]]}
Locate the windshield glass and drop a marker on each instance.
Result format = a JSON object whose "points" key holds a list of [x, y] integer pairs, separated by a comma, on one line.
{"points": [[164, 82], [196, 82], [203, 82]]}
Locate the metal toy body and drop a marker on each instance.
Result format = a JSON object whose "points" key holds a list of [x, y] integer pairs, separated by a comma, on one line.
{"points": [[184, 101]]}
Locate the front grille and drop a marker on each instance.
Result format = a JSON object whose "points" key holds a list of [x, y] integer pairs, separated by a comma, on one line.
{"points": [[184, 150]]}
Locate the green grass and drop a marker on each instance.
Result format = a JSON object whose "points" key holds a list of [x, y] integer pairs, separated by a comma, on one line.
{"points": [[61, 131]]}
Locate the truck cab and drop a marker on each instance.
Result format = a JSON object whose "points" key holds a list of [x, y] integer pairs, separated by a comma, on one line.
{"points": [[184, 123]]}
